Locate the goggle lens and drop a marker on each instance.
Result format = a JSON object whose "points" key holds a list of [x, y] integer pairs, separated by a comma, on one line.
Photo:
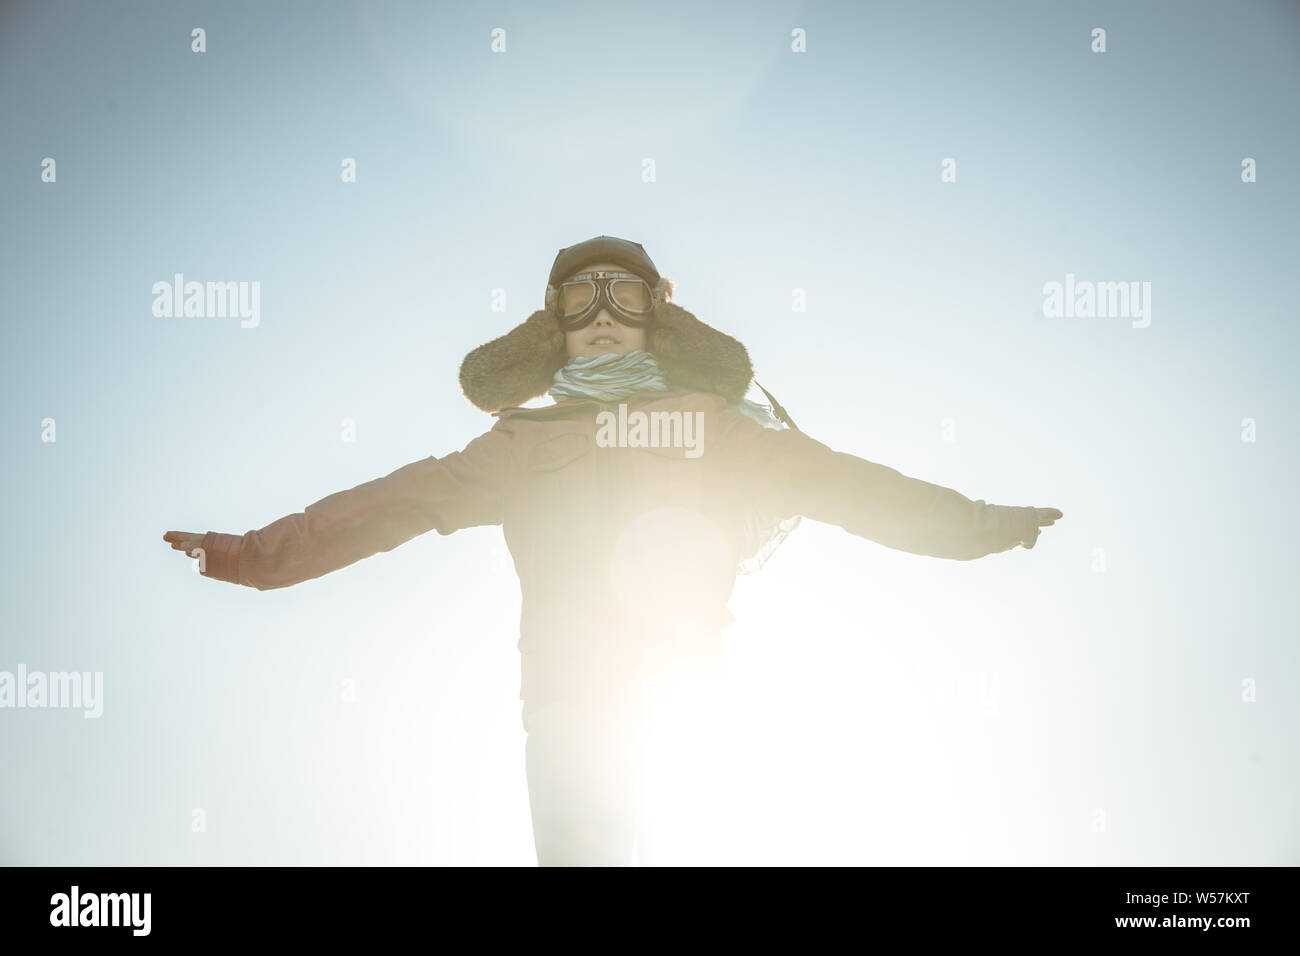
{"points": [[630, 296], [576, 297]]}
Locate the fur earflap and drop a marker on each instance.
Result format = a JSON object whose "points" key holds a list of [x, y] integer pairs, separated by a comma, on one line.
{"points": [[521, 365], [516, 367], [695, 355]]}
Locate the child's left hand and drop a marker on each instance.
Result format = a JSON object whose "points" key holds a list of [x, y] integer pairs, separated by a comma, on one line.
{"points": [[1047, 516]]}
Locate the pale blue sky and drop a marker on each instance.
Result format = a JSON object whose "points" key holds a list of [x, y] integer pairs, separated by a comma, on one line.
{"points": [[1119, 693]]}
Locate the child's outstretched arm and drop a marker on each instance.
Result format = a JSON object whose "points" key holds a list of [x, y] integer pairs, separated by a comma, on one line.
{"points": [[461, 490], [788, 473]]}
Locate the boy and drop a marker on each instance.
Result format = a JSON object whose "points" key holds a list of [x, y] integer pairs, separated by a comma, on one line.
{"points": [[626, 543]]}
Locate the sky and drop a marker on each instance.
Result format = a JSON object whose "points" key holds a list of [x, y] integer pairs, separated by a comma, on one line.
{"points": [[1125, 693]]}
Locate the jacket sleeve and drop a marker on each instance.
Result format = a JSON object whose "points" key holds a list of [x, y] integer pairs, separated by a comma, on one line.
{"points": [[461, 490], [789, 473]]}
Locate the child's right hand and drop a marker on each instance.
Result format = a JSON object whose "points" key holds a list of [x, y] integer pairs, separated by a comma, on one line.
{"points": [[185, 541]]}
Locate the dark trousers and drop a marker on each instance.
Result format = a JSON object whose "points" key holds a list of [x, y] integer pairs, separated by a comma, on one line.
{"points": [[585, 762]]}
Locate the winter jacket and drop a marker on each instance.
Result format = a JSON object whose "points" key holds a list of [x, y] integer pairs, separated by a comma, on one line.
{"points": [[620, 551]]}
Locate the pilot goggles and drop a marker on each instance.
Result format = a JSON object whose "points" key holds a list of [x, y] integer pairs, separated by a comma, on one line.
{"points": [[628, 296]]}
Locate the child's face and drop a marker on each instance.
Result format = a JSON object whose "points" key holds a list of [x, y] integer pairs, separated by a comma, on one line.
{"points": [[606, 334]]}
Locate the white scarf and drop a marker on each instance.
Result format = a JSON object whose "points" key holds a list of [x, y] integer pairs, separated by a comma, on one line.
{"points": [[611, 376]]}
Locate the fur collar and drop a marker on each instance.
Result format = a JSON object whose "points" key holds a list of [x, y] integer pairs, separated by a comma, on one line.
{"points": [[521, 365]]}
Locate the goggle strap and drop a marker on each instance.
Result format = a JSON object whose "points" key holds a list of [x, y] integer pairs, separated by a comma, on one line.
{"points": [[781, 413]]}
